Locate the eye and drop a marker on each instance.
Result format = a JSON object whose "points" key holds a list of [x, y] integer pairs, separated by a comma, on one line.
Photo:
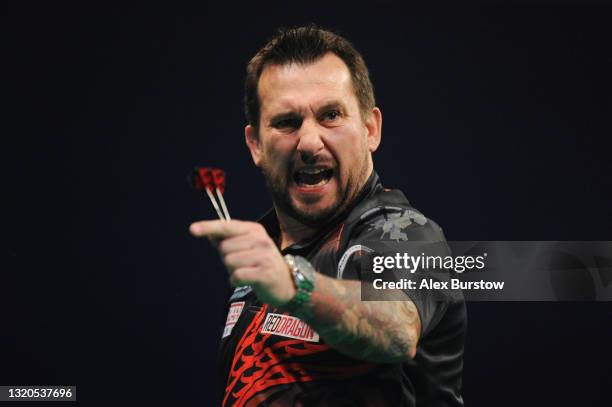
{"points": [[287, 123], [331, 115]]}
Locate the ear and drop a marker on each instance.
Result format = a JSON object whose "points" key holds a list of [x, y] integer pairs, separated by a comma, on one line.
{"points": [[252, 142], [374, 128]]}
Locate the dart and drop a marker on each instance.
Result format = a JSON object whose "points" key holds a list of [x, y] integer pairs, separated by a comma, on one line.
{"points": [[205, 179], [218, 176]]}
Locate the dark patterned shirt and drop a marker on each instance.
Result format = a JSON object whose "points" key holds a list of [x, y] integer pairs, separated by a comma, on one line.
{"points": [[270, 358]]}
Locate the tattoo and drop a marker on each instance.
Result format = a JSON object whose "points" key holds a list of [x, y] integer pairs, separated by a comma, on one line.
{"points": [[377, 331]]}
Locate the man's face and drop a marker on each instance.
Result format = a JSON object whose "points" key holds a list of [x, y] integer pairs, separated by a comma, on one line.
{"points": [[313, 146]]}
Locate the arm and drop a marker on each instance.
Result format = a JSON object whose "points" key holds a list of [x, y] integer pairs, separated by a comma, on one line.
{"points": [[378, 331]]}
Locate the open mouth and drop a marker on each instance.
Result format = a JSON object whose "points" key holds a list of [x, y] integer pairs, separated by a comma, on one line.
{"points": [[312, 177]]}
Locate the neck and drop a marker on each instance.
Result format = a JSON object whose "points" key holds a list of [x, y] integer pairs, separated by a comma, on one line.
{"points": [[292, 231]]}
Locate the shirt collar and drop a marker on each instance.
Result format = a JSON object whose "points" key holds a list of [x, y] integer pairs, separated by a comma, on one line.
{"points": [[270, 221]]}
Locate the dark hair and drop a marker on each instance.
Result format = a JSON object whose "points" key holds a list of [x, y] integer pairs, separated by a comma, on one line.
{"points": [[304, 45]]}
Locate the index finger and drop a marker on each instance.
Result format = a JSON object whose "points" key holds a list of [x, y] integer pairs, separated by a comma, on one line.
{"points": [[219, 229]]}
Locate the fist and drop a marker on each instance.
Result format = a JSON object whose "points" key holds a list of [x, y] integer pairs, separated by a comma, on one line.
{"points": [[251, 258]]}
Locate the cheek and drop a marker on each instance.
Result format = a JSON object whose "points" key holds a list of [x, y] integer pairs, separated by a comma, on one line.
{"points": [[348, 147], [277, 154]]}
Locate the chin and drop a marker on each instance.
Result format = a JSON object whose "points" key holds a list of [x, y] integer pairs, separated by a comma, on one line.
{"points": [[314, 215]]}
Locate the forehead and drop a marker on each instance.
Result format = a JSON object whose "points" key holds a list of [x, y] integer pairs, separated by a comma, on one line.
{"points": [[296, 86]]}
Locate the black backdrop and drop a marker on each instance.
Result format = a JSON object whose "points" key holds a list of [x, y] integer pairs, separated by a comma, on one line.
{"points": [[496, 125]]}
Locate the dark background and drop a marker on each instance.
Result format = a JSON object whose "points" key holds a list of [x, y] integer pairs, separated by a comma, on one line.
{"points": [[496, 125]]}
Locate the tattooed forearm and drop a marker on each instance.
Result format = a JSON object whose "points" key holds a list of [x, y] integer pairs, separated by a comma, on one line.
{"points": [[377, 331]]}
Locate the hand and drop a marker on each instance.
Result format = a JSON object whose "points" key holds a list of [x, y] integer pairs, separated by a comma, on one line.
{"points": [[251, 258]]}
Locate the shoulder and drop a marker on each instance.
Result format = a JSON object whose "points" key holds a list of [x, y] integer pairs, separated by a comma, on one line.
{"points": [[396, 224], [387, 222], [388, 215]]}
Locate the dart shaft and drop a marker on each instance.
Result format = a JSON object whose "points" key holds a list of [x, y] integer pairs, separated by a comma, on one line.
{"points": [[214, 202], [223, 206]]}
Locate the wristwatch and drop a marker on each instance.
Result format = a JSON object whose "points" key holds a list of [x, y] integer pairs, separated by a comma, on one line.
{"points": [[303, 277]]}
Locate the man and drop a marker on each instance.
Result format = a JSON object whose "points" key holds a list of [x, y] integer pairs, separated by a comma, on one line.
{"points": [[297, 332]]}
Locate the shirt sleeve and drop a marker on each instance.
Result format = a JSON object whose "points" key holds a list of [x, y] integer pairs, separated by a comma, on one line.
{"points": [[410, 235]]}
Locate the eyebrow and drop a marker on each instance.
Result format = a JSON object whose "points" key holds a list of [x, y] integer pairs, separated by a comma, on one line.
{"points": [[296, 115]]}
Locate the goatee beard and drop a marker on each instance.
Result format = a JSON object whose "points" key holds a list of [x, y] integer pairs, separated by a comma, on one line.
{"points": [[282, 201]]}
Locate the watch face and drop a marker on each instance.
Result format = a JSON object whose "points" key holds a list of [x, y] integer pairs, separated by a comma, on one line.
{"points": [[304, 269], [300, 262]]}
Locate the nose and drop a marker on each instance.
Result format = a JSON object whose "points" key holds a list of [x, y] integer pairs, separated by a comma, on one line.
{"points": [[310, 142]]}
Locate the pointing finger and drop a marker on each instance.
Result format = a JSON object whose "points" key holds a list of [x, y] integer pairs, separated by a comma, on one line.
{"points": [[219, 229]]}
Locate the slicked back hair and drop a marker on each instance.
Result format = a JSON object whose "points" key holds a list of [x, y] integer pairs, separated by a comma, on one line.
{"points": [[305, 45]]}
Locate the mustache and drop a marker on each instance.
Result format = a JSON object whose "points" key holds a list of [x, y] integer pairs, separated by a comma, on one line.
{"points": [[323, 162]]}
